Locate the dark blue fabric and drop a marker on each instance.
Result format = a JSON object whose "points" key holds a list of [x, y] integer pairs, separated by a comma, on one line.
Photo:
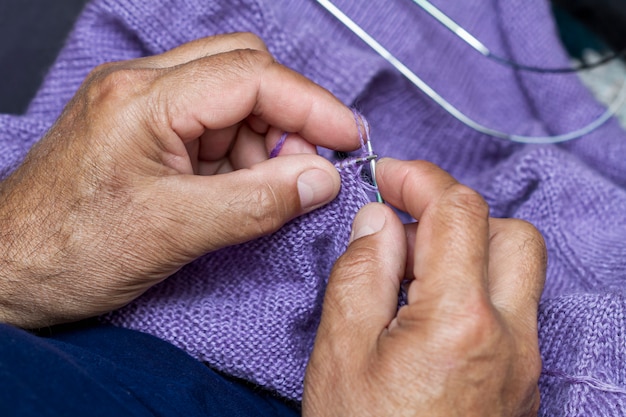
{"points": [[95, 370]]}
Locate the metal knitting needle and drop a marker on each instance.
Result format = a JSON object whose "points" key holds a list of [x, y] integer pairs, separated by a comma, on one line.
{"points": [[379, 197], [452, 26], [453, 111], [371, 159], [480, 47]]}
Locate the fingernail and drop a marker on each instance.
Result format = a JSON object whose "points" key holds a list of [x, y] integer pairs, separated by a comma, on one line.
{"points": [[368, 221], [315, 187]]}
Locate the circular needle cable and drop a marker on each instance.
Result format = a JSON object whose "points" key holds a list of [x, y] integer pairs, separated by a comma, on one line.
{"points": [[480, 47], [448, 107]]}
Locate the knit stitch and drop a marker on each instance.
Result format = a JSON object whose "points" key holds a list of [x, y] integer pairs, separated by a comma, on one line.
{"points": [[252, 310], [256, 319]]}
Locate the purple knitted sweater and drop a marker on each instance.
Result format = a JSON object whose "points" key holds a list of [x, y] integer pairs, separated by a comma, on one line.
{"points": [[252, 310]]}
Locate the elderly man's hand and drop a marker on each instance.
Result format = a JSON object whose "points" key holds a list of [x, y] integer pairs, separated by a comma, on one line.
{"points": [[466, 342], [109, 203]]}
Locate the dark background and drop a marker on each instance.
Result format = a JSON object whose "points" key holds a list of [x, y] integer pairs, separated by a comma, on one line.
{"points": [[33, 31], [31, 34]]}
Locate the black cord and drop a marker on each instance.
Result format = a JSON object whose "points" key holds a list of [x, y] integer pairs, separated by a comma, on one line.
{"points": [[580, 67]]}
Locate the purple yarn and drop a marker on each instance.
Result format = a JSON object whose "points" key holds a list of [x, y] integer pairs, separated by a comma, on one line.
{"points": [[584, 350], [279, 145], [257, 320], [594, 383], [254, 315], [361, 123]]}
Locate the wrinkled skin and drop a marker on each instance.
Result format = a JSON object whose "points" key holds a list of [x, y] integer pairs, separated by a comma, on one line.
{"points": [[160, 160], [466, 342], [107, 204]]}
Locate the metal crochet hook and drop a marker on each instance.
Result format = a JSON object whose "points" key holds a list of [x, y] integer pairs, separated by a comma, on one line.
{"points": [[453, 111]]}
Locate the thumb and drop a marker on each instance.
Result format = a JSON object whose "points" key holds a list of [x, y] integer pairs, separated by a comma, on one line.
{"points": [[362, 294], [212, 212]]}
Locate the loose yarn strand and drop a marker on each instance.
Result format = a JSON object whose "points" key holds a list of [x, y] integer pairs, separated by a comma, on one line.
{"points": [[361, 122], [585, 379], [367, 150], [279, 145]]}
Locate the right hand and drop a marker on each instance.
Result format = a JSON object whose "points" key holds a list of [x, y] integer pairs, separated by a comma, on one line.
{"points": [[466, 342]]}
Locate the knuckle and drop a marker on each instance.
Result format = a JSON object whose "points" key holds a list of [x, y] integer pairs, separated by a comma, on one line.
{"points": [[112, 84], [424, 168], [530, 240], [266, 210], [463, 199], [248, 40], [358, 260], [102, 70], [346, 279], [478, 327], [250, 58], [460, 203], [527, 252]]}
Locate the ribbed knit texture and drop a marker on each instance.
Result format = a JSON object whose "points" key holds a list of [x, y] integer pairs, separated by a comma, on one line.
{"points": [[252, 310]]}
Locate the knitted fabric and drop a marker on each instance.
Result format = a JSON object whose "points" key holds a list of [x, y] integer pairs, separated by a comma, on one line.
{"points": [[251, 310]]}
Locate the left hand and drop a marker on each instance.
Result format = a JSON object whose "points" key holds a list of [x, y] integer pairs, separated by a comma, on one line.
{"points": [[107, 204]]}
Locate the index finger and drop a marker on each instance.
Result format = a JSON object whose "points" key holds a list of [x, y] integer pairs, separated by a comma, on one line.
{"points": [[198, 48], [452, 238], [222, 90]]}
